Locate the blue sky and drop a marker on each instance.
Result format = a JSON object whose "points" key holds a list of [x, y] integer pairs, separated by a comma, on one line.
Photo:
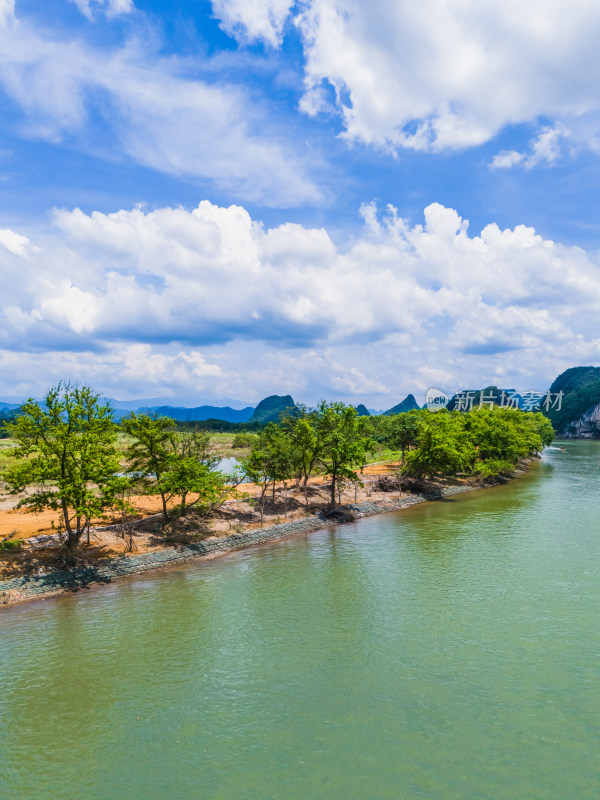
{"points": [[214, 201]]}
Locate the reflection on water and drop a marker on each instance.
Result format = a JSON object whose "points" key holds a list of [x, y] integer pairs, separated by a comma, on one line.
{"points": [[227, 465], [447, 651]]}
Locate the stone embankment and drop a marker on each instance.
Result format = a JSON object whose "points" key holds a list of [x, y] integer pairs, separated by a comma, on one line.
{"points": [[29, 587]]}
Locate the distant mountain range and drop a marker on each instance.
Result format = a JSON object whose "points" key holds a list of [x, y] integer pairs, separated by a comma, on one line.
{"points": [[7, 411], [574, 410], [408, 404], [197, 414], [268, 410]]}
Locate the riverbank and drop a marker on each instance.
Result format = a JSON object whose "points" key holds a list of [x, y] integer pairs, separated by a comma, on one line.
{"points": [[23, 588]]}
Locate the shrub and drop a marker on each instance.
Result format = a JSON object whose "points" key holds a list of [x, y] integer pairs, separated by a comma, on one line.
{"points": [[10, 545], [244, 440]]}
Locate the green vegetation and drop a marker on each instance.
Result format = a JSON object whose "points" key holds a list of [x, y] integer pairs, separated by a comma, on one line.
{"points": [[402, 431], [10, 545], [66, 452], [306, 439], [443, 447], [73, 457], [6, 450], [581, 392], [148, 451], [483, 442], [7, 415], [172, 463], [271, 408], [222, 426], [243, 440], [270, 460], [69, 460], [408, 404], [187, 475], [332, 438], [346, 439]]}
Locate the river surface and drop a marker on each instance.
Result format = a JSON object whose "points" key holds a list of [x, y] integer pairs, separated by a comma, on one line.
{"points": [[446, 651]]}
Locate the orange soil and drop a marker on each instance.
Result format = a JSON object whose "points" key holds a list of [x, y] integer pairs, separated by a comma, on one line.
{"points": [[23, 524]]}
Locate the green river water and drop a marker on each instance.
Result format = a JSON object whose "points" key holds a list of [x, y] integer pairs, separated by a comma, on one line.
{"points": [[446, 651]]}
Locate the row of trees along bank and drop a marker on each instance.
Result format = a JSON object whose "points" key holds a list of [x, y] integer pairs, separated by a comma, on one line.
{"points": [[68, 459]]}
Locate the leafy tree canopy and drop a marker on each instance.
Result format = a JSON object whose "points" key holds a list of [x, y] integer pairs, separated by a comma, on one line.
{"points": [[66, 451]]}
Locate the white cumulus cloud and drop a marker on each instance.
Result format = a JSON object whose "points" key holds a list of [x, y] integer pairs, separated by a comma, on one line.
{"points": [[432, 76], [157, 111], [7, 11], [17, 244], [507, 159], [210, 300], [544, 149], [436, 76], [112, 8], [253, 19]]}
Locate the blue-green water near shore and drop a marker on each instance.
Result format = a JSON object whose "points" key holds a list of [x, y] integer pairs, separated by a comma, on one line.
{"points": [[447, 651]]}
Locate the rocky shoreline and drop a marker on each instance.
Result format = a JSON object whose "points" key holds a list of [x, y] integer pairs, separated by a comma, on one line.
{"points": [[30, 587]]}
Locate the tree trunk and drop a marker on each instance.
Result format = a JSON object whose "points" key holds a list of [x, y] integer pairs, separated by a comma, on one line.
{"points": [[67, 520], [70, 543], [262, 504], [69, 552], [164, 506]]}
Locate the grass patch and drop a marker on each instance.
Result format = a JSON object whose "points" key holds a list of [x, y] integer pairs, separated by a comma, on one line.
{"points": [[10, 545], [384, 455], [6, 461]]}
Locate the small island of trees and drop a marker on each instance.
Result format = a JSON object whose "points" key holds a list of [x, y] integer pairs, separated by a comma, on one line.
{"points": [[72, 457]]}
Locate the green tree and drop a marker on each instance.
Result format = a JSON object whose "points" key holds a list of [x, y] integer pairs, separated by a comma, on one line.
{"points": [[66, 447], [542, 426], [194, 443], [148, 454], [187, 475], [486, 441], [444, 447], [504, 436], [403, 430], [172, 462], [305, 438], [345, 442], [270, 460]]}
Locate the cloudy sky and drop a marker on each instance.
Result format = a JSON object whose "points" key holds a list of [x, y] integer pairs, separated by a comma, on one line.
{"points": [[215, 201]]}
